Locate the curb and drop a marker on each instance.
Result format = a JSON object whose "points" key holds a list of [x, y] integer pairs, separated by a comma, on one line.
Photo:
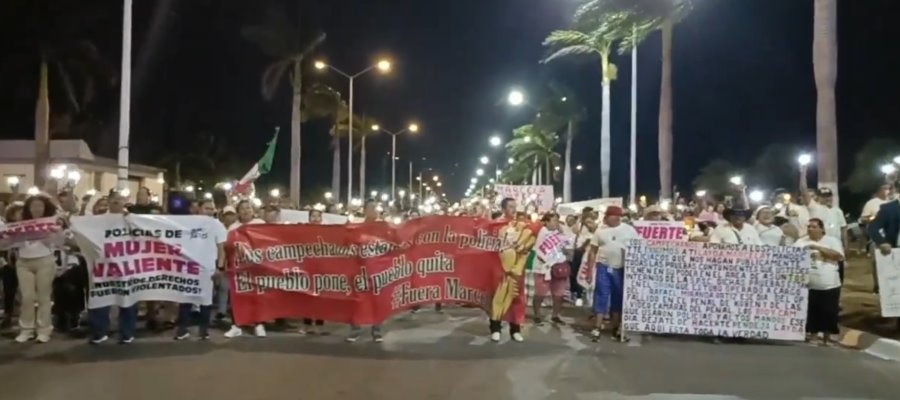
{"points": [[871, 344]]}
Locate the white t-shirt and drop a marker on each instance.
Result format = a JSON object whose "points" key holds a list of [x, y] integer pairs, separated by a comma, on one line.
{"points": [[238, 224], [833, 217], [769, 235], [871, 208], [823, 275], [582, 234], [611, 243], [797, 215], [728, 234]]}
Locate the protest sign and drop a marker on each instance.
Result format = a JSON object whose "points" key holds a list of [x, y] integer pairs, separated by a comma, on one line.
{"points": [[148, 257], [711, 289], [597, 204], [660, 230], [539, 197], [889, 282], [302, 217], [549, 247], [17, 233], [361, 273]]}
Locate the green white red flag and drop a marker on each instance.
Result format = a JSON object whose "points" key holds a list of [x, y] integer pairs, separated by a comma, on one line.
{"points": [[262, 167]]}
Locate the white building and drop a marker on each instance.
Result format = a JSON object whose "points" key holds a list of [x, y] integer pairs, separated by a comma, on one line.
{"points": [[74, 164]]}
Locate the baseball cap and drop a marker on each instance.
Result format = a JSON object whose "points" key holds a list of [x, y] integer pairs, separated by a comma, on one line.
{"points": [[229, 209]]}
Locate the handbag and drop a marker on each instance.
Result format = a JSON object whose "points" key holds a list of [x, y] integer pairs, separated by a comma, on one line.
{"points": [[560, 271]]}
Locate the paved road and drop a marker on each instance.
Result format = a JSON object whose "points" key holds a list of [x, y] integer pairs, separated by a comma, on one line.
{"points": [[440, 356]]}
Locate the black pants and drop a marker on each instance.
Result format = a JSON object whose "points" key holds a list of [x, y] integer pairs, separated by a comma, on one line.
{"points": [[574, 287], [841, 271], [822, 314], [10, 288], [69, 296], [497, 326]]}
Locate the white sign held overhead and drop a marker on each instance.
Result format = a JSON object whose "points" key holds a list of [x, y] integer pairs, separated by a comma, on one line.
{"points": [[597, 204], [528, 197]]}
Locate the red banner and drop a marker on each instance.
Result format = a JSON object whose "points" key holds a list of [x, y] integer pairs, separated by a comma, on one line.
{"points": [[361, 273]]}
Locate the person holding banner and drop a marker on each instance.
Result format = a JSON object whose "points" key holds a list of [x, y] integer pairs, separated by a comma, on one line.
{"points": [[509, 299], [824, 281], [551, 270], [769, 233], [735, 230], [220, 236], [35, 270], [371, 215], [315, 218], [608, 254], [245, 217], [8, 270]]}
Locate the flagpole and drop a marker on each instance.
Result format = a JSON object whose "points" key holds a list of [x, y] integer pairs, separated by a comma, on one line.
{"points": [[125, 98]]}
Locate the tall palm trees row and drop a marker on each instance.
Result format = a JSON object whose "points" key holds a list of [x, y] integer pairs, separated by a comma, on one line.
{"points": [[598, 26]]}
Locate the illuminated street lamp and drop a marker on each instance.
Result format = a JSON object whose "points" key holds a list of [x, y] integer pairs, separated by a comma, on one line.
{"points": [[579, 167], [382, 66], [412, 128], [515, 98], [275, 193], [435, 178], [701, 193], [474, 180], [804, 159], [479, 172], [484, 160], [510, 160], [495, 141], [328, 196], [737, 180]]}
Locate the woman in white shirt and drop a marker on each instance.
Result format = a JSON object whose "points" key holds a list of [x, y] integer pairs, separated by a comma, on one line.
{"points": [[769, 233], [246, 216], [824, 282], [36, 268]]}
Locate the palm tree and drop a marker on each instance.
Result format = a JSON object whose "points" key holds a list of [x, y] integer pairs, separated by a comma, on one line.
{"points": [[534, 155], [825, 70], [642, 17], [592, 34], [282, 40], [562, 110]]}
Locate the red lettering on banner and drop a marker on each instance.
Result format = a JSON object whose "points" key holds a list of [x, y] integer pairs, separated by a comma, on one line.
{"points": [[361, 273], [145, 265], [132, 247]]}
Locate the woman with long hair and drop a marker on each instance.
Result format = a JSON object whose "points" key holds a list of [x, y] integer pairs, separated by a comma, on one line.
{"points": [[36, 268]]}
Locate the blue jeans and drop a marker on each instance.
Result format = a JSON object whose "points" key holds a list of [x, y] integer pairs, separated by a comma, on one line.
{"points": [[184, 318], [99, 318], [608, 290], [356, 329]]}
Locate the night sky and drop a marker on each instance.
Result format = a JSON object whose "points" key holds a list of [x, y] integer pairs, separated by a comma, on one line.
{"points": [[742, 78]]}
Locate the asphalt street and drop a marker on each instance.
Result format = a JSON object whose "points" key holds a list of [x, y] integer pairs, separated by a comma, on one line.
{"points": [[440, 356]]}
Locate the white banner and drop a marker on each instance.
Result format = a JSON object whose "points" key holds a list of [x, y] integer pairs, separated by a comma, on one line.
{"points": [[711, 289], [149, 257], [528, 197], [597, 204], [889, 282], [302, 217], [17, 233], [661, 230]]}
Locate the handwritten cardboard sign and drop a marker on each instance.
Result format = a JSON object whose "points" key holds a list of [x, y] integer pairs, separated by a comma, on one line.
{"points": [[539, 196]]}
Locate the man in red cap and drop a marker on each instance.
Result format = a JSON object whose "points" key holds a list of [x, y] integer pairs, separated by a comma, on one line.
{"points": [[608, 254]]}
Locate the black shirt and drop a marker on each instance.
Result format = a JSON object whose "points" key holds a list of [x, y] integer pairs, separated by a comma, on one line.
{"points": [[142, 208]]}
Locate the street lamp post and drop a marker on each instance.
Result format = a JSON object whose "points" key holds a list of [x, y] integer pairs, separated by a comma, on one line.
{"points": [[383, 66], [412, 128]]}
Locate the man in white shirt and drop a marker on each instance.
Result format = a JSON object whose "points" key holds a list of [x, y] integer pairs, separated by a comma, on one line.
{"points": [[736, 230], [608, 255], [871, 208]]}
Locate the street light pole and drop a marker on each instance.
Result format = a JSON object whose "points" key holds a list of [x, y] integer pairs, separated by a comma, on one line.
{"points": [[125, 98], [412, 128], [383, 66]]}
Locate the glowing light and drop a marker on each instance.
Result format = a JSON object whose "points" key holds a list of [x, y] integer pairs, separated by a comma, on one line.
{"points": [[633, 207], [189, 189], [527, 139], [384, 65], [479, 172], [701, 193], [558, 200], [556, 168], [160, 178], [384, 197], [33, 191], [320, 65], [495, 141], [256, 201], [401, 193], [91, 192], [154, 199], [376, 127], [12, 180], [578, 167], [397, 220], [227, 186], [207, 195], [275, 193], [888, 169], [804, 159], [737, 180], [125, 192], [413, 128], [484, 160], [756, 196], [515, 98], [435, 178], [473, 180], [58, 173], [328, 195], [373, 193]]}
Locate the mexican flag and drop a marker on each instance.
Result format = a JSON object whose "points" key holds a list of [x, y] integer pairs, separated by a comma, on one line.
{"points": [[262, 167]]}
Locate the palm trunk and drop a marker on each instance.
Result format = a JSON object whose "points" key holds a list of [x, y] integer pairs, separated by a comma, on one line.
{"points": [[335, 165], [665, 114], [295, 135], [632, 173], [605, 128], [825, 70], [362, 167], [567, 172], [42, 130]]}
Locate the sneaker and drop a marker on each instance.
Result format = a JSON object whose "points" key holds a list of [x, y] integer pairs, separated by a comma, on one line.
{"points": [[352, 337], [182, 336], [595, 333], [377, 338], [303, 332], [204, 336], [259, 330], [579, 302], [127, 340], [495, 336], [234, 332], [518, 337], [43, 338], [99, 339], [24, 337]]}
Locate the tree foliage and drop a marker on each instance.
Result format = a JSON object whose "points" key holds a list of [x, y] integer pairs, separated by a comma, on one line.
{"points": [[531, 148], [866, 175]]}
